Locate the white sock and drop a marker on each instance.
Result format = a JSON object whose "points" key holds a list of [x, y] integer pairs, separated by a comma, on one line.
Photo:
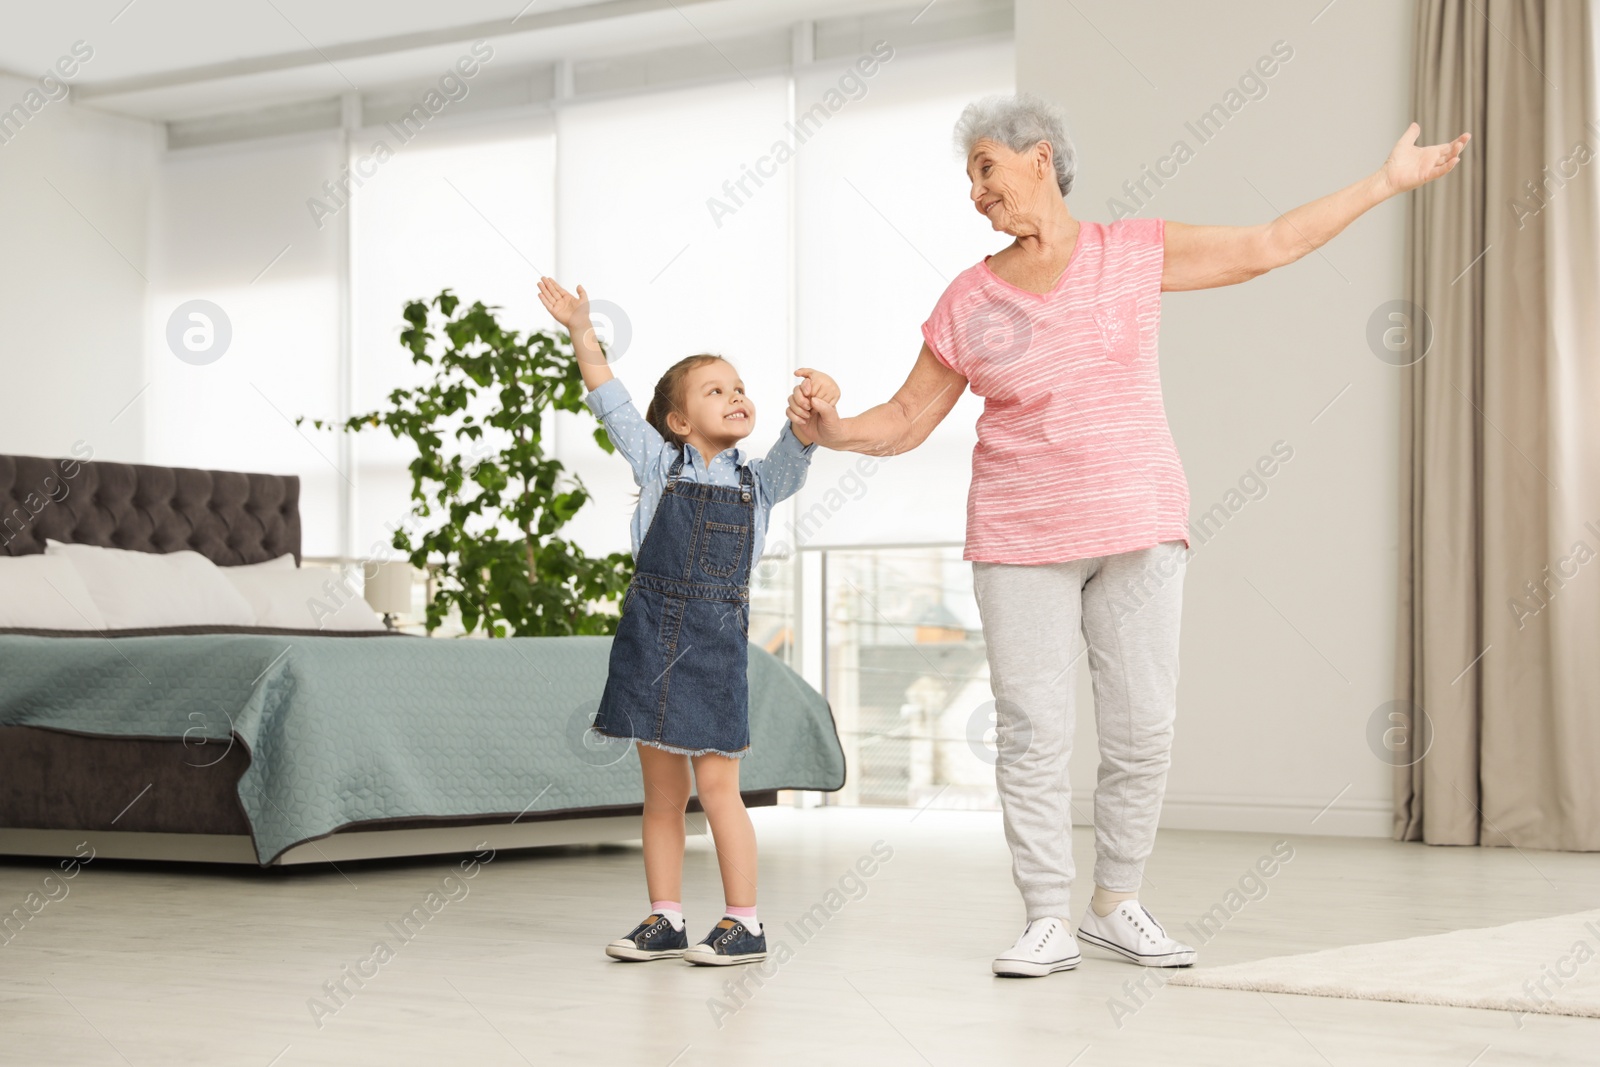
{"points": [[750, 921], [665, 908]]}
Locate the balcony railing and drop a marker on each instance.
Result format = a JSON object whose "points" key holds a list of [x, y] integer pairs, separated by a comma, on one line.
{"points": [[901, 659]]}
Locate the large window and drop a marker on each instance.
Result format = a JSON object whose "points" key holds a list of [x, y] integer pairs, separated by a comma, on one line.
{"points": [[673, 208], [804, 218]]}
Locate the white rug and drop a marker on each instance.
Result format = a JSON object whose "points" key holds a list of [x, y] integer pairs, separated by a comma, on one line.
{"points": [[1542, 966]]}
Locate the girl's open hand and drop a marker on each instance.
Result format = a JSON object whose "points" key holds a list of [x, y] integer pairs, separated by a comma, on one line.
{"points": [[563, 306]]}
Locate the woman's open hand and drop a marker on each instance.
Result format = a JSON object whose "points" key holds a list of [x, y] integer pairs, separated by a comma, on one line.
{"points": [[1409, 166]]}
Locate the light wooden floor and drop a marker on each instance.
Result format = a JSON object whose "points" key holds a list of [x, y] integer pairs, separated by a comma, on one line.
{"points": [[156, 966]]}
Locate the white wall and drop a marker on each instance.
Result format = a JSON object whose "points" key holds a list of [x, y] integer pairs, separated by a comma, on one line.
{"points": [[1289, 621], [75, 184]]}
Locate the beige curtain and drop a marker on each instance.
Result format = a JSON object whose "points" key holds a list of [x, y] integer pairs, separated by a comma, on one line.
{"points": [[1500, 540]]}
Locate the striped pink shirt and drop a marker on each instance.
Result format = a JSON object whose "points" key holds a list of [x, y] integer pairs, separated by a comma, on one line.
{"points": [[1074, 457]]}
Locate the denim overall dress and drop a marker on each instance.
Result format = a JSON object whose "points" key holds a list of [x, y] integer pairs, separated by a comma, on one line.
{"points": [[678, 678]]}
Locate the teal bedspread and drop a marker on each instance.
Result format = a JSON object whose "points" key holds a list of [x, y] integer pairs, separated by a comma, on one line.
{"points": [[342, 730]]}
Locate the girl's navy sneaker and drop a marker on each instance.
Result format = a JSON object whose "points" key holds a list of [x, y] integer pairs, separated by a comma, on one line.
{"points": [[653, 939], [730, 941]]}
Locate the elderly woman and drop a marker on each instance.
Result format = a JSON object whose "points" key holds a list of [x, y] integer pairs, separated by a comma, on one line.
{"points": [[1077, 515]]}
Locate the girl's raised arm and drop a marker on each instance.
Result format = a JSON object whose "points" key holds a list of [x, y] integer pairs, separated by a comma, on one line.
{"points": [[572, 312]]}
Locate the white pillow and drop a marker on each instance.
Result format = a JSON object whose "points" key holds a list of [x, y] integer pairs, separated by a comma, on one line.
{"points": [[139, 590], [283, 562], [295, 599], [45, 593]]}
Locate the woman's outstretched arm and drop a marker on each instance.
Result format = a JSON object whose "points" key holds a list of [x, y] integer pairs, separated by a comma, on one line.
{"points": [[1207, 257], [900, 425]]}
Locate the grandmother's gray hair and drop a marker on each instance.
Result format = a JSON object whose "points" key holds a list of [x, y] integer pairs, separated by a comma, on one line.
{"points": [[1019, 122]]}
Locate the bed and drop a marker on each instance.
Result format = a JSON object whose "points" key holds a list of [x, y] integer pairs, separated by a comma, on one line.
{"points": [[281, 747]]}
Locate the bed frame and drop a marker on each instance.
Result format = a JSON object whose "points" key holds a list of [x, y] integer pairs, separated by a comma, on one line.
{"points": [[165, 799]]}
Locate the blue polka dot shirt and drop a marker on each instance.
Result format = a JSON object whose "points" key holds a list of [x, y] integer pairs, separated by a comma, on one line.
{"points": [[778, 477]]}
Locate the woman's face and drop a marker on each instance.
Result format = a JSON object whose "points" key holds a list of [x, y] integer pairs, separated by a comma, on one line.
{"points": [[714, 406], [1006, 185]]}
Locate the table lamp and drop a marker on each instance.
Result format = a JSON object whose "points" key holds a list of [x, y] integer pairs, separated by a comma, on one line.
{"points": [[388, 589]]}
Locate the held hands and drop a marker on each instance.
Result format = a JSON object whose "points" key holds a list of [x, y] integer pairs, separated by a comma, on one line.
{"points": [[812, 414], [1409, 166]]}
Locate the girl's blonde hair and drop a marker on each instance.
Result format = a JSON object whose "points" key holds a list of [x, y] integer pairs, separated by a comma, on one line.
{"points": [[669, 393]]}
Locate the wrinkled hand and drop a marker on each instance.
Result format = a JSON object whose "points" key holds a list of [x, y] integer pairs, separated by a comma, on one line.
{"points": [[811, 407], [1409, 166]]}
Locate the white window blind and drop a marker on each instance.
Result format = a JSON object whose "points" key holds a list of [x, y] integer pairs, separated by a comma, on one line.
{"points": [[230, 226], [701, 219], [470, 209]]}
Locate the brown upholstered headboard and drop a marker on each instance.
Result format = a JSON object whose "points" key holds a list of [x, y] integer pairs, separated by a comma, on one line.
{"points": [[228, 517]]}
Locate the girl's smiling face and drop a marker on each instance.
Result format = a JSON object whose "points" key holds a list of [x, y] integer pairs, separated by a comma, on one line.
{"points": [[714, 408]]}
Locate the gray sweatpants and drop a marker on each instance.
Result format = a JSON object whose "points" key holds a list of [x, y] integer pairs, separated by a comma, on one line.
{"points": [[1127, 607]]}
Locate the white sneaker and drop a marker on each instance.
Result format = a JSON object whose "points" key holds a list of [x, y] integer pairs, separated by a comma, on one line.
{"points": [[1045, 947], [1133, 933]]}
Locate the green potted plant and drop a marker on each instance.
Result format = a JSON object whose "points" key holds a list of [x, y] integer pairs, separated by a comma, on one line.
{"points": [[489, 500]]}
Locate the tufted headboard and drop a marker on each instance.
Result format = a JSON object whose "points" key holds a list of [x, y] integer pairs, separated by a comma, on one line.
{"points": [[229, 518]]}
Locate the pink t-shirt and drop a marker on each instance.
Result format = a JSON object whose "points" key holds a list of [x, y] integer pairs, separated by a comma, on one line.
{"points": [[1074, 457]]}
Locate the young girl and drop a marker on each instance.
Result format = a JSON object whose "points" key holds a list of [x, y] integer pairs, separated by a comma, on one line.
{"points": [[677, 684]]}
